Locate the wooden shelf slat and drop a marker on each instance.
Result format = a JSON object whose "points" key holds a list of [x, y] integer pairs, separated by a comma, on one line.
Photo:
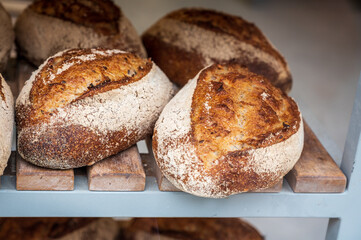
{"points": [[315, 171], [33, 178], [121, 172]]}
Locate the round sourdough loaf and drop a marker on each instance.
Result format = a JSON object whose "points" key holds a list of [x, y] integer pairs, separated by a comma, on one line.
{"points": [[6, 123], [83, 105], [6, 37], [49, 26], [227, 131], [187, 40]]}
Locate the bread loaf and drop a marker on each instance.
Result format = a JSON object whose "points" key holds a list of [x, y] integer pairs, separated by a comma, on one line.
{"points": [[58, 228], [227, 131], [49, 26], [82, 106], [187, 40], [6, 37], [190, 229], [6, 123]]}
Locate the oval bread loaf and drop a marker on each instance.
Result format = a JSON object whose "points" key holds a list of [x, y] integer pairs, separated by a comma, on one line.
{"points": [[49, 26], [190, 229], [6, 37], [227, 131], [187, 40], [82, 106], [6, 123]]}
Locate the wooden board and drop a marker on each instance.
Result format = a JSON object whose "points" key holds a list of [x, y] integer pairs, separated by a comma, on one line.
{"points": [[315, 171], [121, 172], [34, 178]]}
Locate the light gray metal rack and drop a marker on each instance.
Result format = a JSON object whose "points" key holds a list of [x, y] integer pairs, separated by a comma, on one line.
{"points": [[342, 209]]}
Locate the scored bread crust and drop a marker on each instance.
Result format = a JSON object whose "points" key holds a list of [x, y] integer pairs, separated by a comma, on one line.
{"points": [[82, 106], [6, 123], [187, 40], [40, 36], [242, 143], [6, 37]]}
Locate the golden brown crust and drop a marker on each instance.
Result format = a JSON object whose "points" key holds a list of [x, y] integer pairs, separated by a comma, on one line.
{"points": [[52, 89], [227, 131], [229, 97], [82, 106], [226, 24], [192, 229], [101, 15]]}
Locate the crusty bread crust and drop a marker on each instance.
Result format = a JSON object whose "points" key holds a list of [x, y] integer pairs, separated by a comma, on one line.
{"points": [[191, 229], [6, 37], [42, 29], [82, 106], [206, 37], [6, 123], [101, 15], [227, 131]]}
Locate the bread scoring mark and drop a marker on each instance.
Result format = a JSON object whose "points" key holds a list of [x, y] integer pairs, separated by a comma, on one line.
{"points": [[242, 111], [77, 74], [2, 95], [101, 15]]}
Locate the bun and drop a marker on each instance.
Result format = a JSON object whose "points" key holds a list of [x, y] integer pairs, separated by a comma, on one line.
{"points": [[187, 40], [227, 131], [6, 123], [82, 106], [6, 37], [47, 27]]}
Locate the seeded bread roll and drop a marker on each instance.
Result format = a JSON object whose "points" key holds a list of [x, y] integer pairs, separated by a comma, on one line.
{"points": [[6, 37], [6, 123], [82, 106], [49, 26], [227, 131], [187, 40]]}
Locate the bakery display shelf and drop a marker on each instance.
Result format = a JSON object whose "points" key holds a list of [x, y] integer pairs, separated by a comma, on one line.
{"points": [[151, 202]]}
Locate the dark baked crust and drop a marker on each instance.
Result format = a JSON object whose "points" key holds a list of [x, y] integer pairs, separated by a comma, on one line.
{"points": [[222, 23], [191, 229], [101, 15], [73, 146], [167, 53], [2, 95], [6, 37], [58, 228], [177, 64], [47, 27]]}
